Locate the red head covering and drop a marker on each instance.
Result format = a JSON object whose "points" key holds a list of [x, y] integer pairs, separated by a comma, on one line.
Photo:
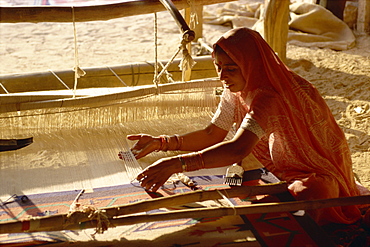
{"points": [[302, 140]]}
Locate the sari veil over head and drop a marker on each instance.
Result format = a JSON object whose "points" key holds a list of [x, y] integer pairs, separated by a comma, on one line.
{"points": [[302, 140]]}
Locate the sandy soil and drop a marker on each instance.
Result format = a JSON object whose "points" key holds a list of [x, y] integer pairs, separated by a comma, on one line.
{"points": [[343, 77]]}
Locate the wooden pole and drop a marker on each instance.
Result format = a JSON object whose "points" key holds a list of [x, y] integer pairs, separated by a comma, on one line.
{"points": [[58, 222], [363, 16], [198, 27], [83, 101], [132, 74], [183, 25], [186, 75], [36, 14], [243, 210], [276, 26], [13, 227]]}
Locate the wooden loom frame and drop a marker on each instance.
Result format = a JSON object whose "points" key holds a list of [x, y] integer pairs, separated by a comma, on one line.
{"points": [[31, 102], [276, 23], [122, 214], [59, 14]]}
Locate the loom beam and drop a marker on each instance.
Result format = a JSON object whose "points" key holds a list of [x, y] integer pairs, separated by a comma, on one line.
{"points": [[188, 34], [35, 14], [80, 220], [14, 144], [61, 222]]}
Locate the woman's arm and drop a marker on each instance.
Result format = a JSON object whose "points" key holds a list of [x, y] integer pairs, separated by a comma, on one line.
{"points": [[221, 154], [200, 139], [192, 141], [229, 152]]}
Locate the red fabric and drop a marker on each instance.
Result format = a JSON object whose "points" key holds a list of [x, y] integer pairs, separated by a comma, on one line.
{"points": [[302, 140]]}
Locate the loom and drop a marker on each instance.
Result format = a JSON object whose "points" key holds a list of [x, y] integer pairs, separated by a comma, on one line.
{"points": [[76, 144], [76, 139]]}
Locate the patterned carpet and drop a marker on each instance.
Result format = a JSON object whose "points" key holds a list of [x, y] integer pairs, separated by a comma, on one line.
{"points": [[272, 229]]}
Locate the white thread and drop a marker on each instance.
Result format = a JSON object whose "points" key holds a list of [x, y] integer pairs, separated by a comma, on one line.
{"points": [[229, 202], [169, 62], [114, 73], [6, 91], [59, 79], [168, 75], [76, 53], [156, 78]]}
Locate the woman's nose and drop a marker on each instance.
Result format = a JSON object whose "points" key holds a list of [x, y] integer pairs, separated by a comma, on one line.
{"points": [[222, 75]]}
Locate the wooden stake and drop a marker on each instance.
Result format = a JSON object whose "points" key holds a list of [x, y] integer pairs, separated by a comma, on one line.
{"points": [[276, 26], [363, 17]]}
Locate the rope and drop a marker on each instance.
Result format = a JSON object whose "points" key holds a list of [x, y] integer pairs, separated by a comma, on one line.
{"points": [[156, 78], [133, 82], [168, 63], [194, 20], [228, 201], [187, 62], [80, 213], [78, 71], [168, 75]]}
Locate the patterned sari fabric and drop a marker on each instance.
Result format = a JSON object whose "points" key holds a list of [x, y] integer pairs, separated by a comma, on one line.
{"points": [[302, 141]]}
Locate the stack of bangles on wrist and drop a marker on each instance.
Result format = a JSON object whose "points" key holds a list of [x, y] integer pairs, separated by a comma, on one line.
{"points": [[166, 140], [191, 162]]}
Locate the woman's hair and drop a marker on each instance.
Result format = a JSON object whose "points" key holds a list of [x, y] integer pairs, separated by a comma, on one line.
{"points": [[217, 49]]}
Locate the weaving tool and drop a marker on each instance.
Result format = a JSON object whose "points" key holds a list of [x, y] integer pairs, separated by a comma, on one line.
{"points": [[14, 198], [234, 175]]}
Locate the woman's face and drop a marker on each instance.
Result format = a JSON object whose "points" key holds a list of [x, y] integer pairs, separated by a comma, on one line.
{"points": [[229, 72]]}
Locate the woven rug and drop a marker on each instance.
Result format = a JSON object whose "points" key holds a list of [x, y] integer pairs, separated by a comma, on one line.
{"points": [[272, 229]]}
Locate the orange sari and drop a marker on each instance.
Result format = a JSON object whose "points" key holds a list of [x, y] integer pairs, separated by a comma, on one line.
{"points": [[302, 141]]}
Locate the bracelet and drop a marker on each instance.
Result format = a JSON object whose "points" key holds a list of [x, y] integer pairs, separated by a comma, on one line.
{"points": [[192, 161], [183, 164], [179, 140], [164, 143], [201, 159]]}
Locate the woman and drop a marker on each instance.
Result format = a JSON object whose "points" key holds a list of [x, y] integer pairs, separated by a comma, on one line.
{"points": [[281, 119]]}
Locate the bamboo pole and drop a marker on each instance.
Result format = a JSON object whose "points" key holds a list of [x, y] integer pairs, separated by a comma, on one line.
{"points": [[186, 75], [36, 224], [133, 74], [59, 222], [183, 25], [36, 14], [243, 210], [100, 99]]}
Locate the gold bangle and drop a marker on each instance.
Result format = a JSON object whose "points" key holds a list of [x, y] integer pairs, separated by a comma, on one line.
{"points": [[179, 140], [164, 143], [201, 159], [183, 164]]}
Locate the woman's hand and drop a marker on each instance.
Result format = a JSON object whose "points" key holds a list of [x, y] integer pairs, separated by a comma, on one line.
{"points": [[145, 145], [155, 175]]}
